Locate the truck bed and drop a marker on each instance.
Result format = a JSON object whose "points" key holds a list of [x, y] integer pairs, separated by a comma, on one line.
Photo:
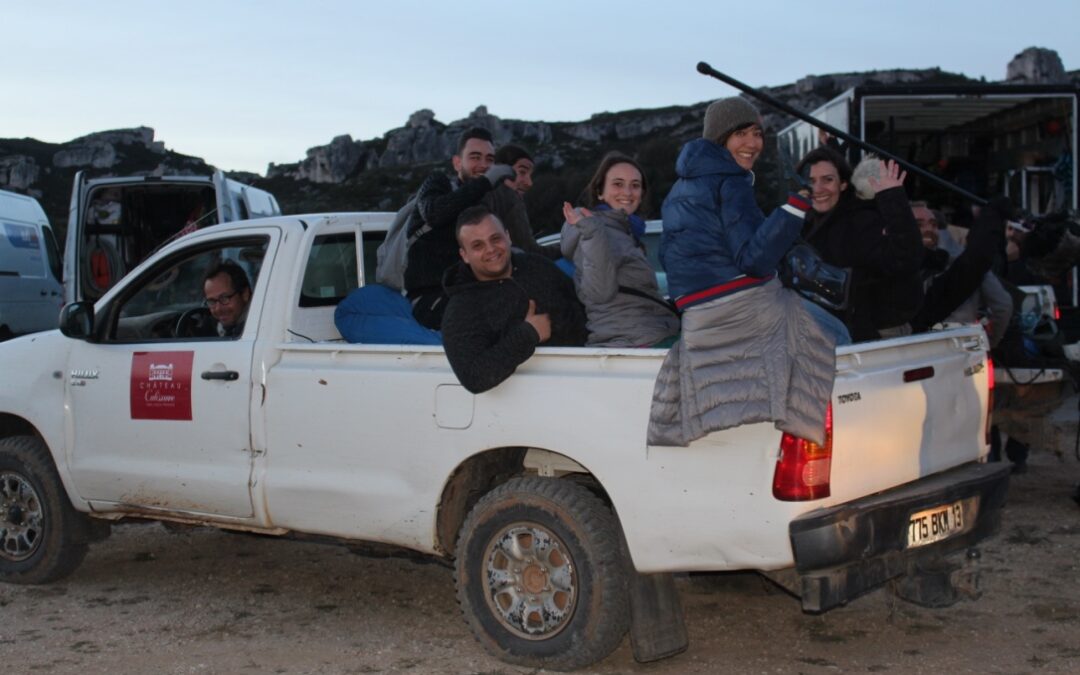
{"points": [[563, 402]]}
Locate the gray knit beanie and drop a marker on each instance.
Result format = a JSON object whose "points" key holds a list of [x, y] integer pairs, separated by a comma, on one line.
{"points": [[726, 115]]}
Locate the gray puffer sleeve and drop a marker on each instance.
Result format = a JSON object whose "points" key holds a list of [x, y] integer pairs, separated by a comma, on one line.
{"points": [[595, 262]]}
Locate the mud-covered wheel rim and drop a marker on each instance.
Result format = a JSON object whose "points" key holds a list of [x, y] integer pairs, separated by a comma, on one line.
{"points": [[530, 582], [22, 518]]}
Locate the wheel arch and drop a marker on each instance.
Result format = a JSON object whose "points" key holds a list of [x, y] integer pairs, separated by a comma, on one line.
{"points": [[13, 425], [484, 471], [16, 425]]}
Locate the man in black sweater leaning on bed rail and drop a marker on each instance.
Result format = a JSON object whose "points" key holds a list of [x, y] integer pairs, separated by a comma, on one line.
{"points": [[503, 304]]}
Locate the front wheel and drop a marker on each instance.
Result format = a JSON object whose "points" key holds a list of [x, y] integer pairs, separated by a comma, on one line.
{"points": [[42, 537], [540, 575]]}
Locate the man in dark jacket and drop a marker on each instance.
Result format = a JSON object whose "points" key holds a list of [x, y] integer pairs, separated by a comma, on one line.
{"points": [[947, 285], [508, 201], [502, 305], [439, 201], [519, 159]]}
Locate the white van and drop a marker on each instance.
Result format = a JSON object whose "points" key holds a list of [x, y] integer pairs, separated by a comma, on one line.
{"points": [[30, 290], [115, 223]]}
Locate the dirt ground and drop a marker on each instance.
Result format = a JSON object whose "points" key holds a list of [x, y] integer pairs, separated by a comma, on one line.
{"points": [[149, 600]]}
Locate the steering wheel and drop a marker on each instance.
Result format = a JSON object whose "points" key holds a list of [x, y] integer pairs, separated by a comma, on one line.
{"points": [[195, 322]]}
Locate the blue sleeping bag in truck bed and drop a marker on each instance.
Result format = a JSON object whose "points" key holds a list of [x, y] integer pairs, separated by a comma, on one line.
{"points": [[377, 314]]}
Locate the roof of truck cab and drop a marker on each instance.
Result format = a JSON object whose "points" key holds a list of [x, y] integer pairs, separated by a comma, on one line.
{"points": [[371, 221]]}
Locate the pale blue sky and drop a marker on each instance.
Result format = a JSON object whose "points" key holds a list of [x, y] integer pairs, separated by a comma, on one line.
{"points": [[242, 83]]}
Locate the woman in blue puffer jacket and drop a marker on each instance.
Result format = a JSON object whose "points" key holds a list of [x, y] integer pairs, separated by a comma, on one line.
{"points": [[751, 350]]}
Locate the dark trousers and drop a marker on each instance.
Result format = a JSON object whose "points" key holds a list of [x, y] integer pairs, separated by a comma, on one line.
{"points": [[428, 308], [1015, 451]]}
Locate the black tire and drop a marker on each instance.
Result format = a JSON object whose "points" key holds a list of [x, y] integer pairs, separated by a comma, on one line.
{"points": [[42, 537], [548, 544]]}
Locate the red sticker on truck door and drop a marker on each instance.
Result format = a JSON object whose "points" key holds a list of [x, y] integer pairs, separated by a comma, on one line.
{"points": [[161, 385]]}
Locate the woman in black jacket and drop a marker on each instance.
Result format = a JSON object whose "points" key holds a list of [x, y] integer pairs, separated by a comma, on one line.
{"points": [[874, 234]]}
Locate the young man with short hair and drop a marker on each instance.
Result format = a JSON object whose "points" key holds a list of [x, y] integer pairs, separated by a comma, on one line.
{"points": [[439, 201], [518, 159], [507, 201], [503, 304]]}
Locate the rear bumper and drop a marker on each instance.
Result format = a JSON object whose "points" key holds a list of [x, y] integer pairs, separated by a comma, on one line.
{"points": [[849, 549]]}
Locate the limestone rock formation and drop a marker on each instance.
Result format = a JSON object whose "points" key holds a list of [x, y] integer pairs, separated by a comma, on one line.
{"points": [[93, 153], [98, 150], [423, 140], [143, 136], [18, 172], [1036, 65], [331, 163]]}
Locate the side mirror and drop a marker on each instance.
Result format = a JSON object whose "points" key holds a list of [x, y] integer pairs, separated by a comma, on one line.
{"points": [[77, 320]]}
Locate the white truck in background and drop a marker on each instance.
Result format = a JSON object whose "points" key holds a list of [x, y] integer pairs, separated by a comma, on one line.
{"points": [[115, 223], [30, 289], [543, 491]]}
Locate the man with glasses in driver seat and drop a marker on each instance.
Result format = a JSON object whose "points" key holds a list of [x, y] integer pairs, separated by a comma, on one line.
{"points": [[228, 294]]}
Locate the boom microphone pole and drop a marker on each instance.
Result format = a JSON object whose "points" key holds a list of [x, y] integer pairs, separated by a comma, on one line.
{"points": [[706, 69]]}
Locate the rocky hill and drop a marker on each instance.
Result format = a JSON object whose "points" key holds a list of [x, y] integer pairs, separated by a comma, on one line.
{"points": [[378, 174]]}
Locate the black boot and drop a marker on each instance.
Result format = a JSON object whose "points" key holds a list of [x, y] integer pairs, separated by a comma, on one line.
{"points": [[1017, 453]]}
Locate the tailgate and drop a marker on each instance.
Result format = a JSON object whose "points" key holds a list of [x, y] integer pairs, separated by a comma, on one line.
{"points": [[907, 408]]}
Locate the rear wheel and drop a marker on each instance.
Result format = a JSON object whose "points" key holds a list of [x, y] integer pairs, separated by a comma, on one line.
{"points": [[540, 575], [42, 537]]}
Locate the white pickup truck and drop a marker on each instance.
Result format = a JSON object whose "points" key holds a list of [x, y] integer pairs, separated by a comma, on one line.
{"points": [[542, 491]]}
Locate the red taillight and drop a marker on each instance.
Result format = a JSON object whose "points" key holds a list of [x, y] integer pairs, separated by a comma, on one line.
{"points": [[1057, 312], [803, 470], [989, 395]]}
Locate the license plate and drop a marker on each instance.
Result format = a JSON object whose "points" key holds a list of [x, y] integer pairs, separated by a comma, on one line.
{"points": [[940, 522]]}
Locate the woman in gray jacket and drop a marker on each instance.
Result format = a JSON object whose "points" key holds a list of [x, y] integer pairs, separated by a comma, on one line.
{"points": [[612, 275]]}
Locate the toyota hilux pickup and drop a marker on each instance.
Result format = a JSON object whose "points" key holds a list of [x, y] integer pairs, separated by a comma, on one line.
{"points": [[543, 491]]}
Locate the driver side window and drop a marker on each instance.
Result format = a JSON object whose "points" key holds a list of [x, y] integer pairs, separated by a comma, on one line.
{"points": [[169, 301]]}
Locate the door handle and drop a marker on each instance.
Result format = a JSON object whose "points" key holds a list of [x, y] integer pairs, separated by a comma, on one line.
{"points": [[227, 375]]}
